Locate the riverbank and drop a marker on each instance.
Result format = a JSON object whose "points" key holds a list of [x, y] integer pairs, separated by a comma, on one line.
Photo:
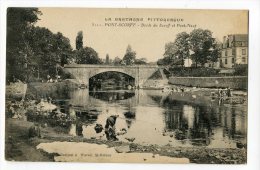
{"points": [[19, 147], [233, 82]]}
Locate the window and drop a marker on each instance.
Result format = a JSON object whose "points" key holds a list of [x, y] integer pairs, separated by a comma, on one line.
{"points": [[226, 61], [233, 60], [243, 51], [243, 59], [226, 53]]}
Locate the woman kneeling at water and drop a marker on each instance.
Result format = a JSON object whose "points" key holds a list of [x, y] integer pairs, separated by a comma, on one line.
{"points": [[110, 129]]}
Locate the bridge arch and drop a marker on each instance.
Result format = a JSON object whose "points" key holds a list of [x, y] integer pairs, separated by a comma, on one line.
{"points": [[122, 71]]}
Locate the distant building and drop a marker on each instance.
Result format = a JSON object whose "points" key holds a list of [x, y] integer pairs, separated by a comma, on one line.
{"points": [[234, 50]]}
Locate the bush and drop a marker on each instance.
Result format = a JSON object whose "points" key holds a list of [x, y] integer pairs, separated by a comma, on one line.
{"points": [[241, 70]]}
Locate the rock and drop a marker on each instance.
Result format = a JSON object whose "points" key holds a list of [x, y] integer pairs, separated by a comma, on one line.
{"points": [[218, 156], [176, 152], [130, 139], [98, 128], [129, 114], [239, 145], [93, 138], [234, 156], [122, 149], [34, 131], [171, 135]]}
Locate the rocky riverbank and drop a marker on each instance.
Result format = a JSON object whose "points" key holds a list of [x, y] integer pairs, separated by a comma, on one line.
{"points": [[19, 147]]}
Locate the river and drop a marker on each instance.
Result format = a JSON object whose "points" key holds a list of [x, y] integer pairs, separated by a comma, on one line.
{"points": [[162, 118]]}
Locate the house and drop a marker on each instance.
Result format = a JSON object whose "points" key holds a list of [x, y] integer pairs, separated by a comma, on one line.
{"points": [[234, 50]]}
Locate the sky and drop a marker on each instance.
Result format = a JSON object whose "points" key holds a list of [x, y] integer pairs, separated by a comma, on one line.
{"points": [[148, 42]]}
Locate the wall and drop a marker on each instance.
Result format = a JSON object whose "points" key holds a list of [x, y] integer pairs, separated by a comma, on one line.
{"points": [[239, 55], [229, 57], [238, 82]]}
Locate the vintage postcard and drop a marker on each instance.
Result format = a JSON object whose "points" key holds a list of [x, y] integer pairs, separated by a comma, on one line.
{"points": [[126, 85]]}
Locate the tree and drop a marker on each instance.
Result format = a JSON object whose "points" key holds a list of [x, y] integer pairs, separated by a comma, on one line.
{"points": [[170, 49], [215, 52], [202, 45], [164, 61], [19, 24], [87, 55], [182, 47], [141, 61], [63, 48], [79, 40], [107, 59], [117, 61], [129, 57], [49, 51]]}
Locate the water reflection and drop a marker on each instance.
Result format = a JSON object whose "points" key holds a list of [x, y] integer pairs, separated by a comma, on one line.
{"points": [[201, 124], [153, 117], [111, 95]]}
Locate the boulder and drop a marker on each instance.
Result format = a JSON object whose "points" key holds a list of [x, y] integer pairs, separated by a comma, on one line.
{"points": [[122, 149]]}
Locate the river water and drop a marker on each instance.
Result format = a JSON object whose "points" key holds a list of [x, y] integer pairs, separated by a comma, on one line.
{"points": [[181, 119]]}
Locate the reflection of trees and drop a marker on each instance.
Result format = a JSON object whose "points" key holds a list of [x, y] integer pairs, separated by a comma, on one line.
{"points": [[234, 123], [202, 128], [197, 122], [202, 117]]}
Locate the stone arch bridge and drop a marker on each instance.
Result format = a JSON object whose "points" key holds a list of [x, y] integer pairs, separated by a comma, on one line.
{"points": [[83, 72]]}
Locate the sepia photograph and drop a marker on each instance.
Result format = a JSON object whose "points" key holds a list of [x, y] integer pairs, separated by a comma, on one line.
{"points": [[126, 85]]}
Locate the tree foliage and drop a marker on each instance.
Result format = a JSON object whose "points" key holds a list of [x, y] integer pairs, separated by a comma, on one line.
{"points": [[79, 40], [87, 55], [49, 50], [19, 24], [141, 61], [199, 45], [129, 57], [117, 61], [33, 51], [204, 46], [182, 46]]}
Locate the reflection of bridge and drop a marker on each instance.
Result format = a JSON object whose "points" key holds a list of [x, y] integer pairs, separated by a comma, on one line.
{"points": [[83, 72]]}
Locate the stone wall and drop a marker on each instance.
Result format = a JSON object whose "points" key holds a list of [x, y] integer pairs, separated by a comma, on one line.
{"points": [[234, 82]]}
